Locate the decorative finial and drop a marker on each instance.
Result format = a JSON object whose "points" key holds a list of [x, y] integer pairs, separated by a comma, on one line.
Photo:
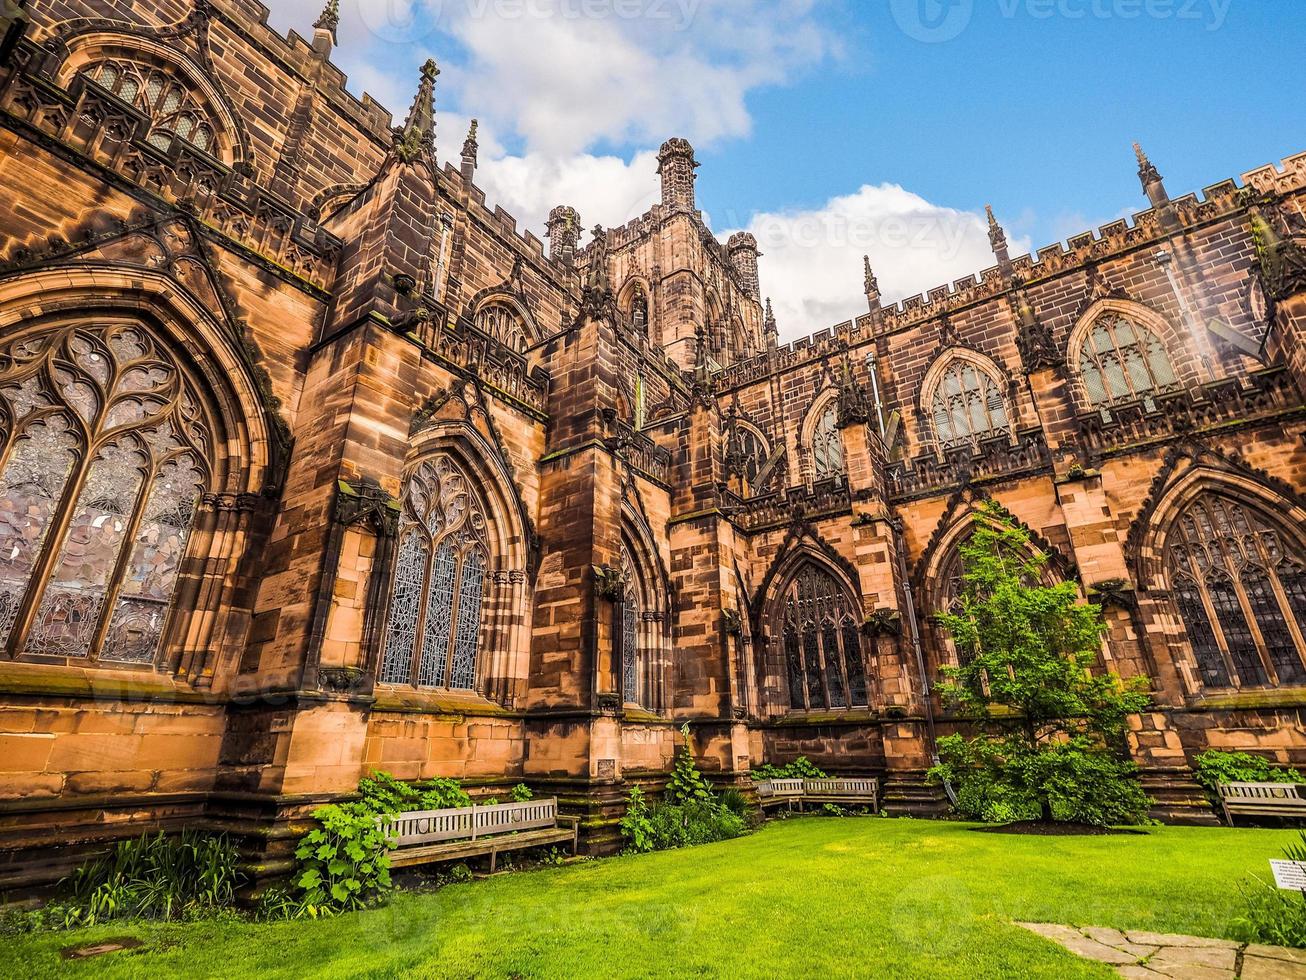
{"points": [[769, 320], [1147, 171], [418, 134], [470, 145], [997, 237], [329, 19], [872, 284]]}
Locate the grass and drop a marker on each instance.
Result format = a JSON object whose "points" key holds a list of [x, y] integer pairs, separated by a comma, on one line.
{"points": [[804, 897]]}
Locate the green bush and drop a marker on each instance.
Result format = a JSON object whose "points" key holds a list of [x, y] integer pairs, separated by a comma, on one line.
{"points": [[382, 793], [697, 822], [800, 768], [735, 801], [344, 864], [152, 877], [687, 784], [1273, 916], [1214, 767], [636, 825], [998, 782], [521, 793]]}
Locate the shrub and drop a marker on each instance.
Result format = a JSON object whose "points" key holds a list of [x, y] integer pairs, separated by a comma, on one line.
{"points": [[521, 793], [1077, 784], [1214, 767], [1052, 727], [636, 825], [1273, 916], [344, 864], [687, 784], [696, 822], [735, 802], [800, 768], [382, 793], [151, 876]]}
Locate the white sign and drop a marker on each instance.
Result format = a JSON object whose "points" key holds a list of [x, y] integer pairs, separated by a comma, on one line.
{"points": [[1289, 875]]}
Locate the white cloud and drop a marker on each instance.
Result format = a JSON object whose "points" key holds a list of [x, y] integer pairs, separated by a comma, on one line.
{"points": [[812, 264], [605, 190]]}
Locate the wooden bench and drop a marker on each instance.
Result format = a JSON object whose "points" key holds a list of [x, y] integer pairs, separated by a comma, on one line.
{"points": [[427, 836], [859, 792], [1263, 800]]}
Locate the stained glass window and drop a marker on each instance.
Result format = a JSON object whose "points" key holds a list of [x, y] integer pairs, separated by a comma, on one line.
{"points": [[102, 463], [1121, 361], [827, 445], [433, 627], [173, 111], [1237, 583], [821, 646], [967, 406]]}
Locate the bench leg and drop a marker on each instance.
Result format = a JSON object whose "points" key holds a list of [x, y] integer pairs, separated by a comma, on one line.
{"points": [[494, 858]]}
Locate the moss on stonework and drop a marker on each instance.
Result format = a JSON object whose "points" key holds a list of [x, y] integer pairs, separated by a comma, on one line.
{"points": [[1255, 699]]}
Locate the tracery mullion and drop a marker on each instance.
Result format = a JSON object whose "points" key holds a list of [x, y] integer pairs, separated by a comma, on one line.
{"points": [[60, 520], [419, 628], [456, 592], [1271, 568], [113, 585], [1201, 577]]}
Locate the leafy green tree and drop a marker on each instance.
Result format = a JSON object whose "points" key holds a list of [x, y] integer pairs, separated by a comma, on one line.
{"points": [[1052, 727]]}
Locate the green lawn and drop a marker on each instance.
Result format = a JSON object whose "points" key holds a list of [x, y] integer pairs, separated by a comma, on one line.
{"points": [[804, 897]]}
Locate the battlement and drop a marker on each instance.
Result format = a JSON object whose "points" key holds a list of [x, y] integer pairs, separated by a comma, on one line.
{"points": [[1114, 238]]}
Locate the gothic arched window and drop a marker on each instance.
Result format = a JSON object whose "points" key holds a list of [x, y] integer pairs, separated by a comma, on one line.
{"points": [[172, 109], [433, 630], [821, 645], [1240, 588], [827, 445], [104, 453], [639, 309], [504, 324], [633, 655], [967, 405], [1122, 361], [752, 455]]}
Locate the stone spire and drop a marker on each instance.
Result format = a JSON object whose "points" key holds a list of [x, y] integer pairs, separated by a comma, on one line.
{"points": [[1153, 186], [418, 133], [324, 28], [872, 285], [470, 146], [998, 239], [768, 326]]}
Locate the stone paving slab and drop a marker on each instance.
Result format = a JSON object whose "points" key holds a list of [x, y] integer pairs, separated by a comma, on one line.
{"points": [[1140, 955]]}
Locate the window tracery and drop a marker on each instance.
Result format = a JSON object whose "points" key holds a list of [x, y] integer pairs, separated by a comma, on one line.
{"points": [[1238, 583], [104, 458], [433, 627], [821, 644], [504, 324], [827, 445], [967, 406], [172, 108], [1122, 361]]}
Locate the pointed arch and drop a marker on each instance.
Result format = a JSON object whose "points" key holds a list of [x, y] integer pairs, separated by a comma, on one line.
{"points": [[455, 617], [1121, 351], [501, 314], [635, 300], [820, 439], [645, 612], [964, 395], [96, 44], [133, 448], [1228, 554], [811, 620]]}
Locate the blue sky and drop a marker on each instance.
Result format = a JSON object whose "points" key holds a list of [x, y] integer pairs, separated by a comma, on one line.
{"points": [[832, 128]]}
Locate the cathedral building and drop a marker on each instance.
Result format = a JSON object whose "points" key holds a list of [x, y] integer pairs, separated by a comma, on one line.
{"points": [[312, 463]]}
